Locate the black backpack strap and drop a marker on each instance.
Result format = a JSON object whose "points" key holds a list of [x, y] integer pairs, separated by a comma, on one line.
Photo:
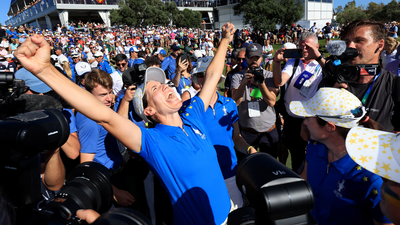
{"points": [[281, 104]]}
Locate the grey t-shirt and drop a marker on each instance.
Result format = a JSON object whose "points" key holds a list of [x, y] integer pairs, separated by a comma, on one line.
{"points": [[267, 113]]}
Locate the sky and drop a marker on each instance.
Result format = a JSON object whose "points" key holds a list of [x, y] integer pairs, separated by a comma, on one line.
{"points": [[5, 5]]}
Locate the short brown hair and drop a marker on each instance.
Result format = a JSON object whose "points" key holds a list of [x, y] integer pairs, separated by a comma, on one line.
{"points": [[377, 28], [98, 77]]}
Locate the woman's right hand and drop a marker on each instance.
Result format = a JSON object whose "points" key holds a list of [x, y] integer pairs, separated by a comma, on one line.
{"points": [[182, 66], [34, 54]]}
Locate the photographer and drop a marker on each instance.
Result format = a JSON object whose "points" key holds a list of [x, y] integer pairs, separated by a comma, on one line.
{"points": [[255, 94], [296, 70], [374, 90]]}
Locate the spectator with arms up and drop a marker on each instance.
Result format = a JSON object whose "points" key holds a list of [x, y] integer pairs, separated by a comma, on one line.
{"points": [[179, 145]]}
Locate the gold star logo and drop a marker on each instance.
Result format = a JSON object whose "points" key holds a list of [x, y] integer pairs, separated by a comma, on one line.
{"points": [[389, 157], [354, 135], [358, 167], [386, 167], [353, 158], [385, 145], [187, 114], [376, 171], [384, 152], [352, 141], [365, 146], [363, 159], [374, 136], [396, 170], [375, 191], [365, 179], [314, 143], [361, 140], [374, 143], [386, 176]]}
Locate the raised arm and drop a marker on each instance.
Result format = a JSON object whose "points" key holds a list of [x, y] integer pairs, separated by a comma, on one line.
{"points": [[34, 55], [216, 67]]}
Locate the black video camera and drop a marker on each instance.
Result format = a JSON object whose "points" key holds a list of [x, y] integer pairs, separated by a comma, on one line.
{"points": [[339, 70], [258, 74], [134, 75], [10, 88]]}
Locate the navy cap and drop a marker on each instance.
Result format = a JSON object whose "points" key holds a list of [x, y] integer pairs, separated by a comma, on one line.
{"points": [[175, 47]]}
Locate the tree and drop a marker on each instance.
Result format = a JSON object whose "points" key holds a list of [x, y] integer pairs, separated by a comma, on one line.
{"points": [[143, 12], [351, 13], [265, 14], [189, 18]]}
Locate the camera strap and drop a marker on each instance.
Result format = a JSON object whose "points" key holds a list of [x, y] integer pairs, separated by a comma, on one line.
{"points": [[364, 99]]}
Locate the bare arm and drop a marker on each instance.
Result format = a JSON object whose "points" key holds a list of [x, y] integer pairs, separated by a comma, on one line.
{"points": [[54, 172], [280, 78], [72, 146], [268, 93], [34, 55], [123, 109], [237, 93], [304, 173], [240, 144], [216, 67]]}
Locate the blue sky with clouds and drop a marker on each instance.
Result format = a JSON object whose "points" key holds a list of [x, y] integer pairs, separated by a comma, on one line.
{"points": [[5, 5]]}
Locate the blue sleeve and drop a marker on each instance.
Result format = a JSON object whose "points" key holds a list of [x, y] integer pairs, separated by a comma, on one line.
{"points": [[108, 68], [117, 102], [88, 133], [374, 195], [69, 115], [165, 64]]}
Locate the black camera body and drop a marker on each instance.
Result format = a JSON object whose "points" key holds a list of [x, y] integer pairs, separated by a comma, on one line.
{"points": [[10, 88], [258, 74], [134, 75], [339, 70]]}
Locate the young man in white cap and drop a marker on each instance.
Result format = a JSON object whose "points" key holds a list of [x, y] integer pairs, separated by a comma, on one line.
{"points": [[351, 191], [11, 67], [176, 149]]}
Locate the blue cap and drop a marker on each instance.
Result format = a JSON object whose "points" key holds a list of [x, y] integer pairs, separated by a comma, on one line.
{"points": [[32, 81], [133, 49]]}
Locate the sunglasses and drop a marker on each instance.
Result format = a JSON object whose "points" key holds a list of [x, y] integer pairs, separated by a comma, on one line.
{"points": [[240, 59], [121, 64]]}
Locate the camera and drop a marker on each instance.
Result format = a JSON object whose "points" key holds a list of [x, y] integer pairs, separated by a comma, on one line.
{"points": [[134, 75], [10, 88], [339, 70], [276, 194], [258, 74], [88, 186]]}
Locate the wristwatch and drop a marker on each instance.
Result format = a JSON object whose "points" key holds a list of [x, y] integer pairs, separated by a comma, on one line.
{"points": [[319, 58]]}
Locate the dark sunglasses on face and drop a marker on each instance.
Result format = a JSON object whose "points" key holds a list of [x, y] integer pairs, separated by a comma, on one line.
{"points": [[240, 59], [121, 64]]}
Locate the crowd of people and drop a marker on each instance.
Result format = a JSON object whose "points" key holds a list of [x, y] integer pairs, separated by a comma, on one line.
{"points": [[145, 102]]}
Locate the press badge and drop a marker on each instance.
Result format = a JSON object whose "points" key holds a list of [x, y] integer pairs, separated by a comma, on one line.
{"points": [[254, 109], [305, 89], [302, 78]]}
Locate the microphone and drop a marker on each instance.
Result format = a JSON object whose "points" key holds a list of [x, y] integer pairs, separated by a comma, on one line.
{"points": [[337, 47]]}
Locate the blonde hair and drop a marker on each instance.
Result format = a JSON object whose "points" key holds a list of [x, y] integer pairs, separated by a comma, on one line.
{"points": [[67, 69], [390, 44]]}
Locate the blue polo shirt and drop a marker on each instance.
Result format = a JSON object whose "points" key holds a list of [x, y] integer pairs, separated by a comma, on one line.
{"points": [[103, 65], [136, 61], [69, 115], [73, 71], [186, 163], [95, 139], [131, 62], [183, 82], [169, 67], [221, 120], [346, 194]]}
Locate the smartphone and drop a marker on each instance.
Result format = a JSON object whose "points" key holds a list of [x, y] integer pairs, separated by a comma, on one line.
{"points": [[293, 53], [184, 56]]}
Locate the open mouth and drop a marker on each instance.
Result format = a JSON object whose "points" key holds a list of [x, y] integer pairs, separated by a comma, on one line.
{"points": [[171, 96]]}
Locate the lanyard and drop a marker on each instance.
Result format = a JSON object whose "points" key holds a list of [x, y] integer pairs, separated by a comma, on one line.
{"points": [[316, 72], [183, 79], [364, 99]]}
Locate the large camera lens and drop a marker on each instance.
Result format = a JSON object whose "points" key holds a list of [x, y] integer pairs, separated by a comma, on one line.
{"points": [[347, 73], [87, 187], [122, 216]]}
